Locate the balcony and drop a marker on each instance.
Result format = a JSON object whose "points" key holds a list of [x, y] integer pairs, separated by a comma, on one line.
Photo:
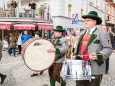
{"points": [[24, 13], [112, 2]]}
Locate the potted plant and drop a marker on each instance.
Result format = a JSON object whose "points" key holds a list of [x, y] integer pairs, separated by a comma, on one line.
{"points": [[41, 11]]}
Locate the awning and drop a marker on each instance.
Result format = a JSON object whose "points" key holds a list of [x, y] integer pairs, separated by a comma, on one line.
{"points": [[24, 27], [5, 25], [44, 26]]}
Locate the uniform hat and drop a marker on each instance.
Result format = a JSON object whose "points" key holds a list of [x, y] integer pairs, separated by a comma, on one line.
{"points": [[59, 28], [37, 32], [93, 15]]}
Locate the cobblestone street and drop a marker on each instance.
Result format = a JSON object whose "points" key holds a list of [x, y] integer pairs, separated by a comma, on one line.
{"points": [[19, 75]]}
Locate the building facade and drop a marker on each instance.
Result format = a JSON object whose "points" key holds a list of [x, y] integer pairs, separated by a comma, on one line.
{"points": [[110, 14], [60, 11]]}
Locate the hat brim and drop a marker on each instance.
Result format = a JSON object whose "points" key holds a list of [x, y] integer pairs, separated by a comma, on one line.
{"points": [[57, 29], [98, 19]]}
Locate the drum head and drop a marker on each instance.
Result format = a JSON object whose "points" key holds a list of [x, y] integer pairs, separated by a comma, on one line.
{"points": [[36, 56]]}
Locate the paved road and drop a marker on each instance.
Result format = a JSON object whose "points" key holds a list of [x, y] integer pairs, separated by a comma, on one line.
{"points": [[19, 75]]}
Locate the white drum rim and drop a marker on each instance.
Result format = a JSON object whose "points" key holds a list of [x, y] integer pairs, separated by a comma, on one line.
{"points": [[23, 52]]}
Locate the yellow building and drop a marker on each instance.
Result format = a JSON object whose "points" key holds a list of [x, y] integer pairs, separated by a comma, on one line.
{"points": [[110, 13]]}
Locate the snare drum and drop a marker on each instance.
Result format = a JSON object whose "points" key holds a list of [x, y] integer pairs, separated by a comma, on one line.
{"points": [[76, 70]]}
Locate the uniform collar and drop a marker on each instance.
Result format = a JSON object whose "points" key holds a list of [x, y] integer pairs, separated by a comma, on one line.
{"points": [[91, 30]]}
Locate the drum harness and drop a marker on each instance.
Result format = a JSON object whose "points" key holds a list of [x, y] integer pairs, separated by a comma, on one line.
{"points": [[60, 55]]}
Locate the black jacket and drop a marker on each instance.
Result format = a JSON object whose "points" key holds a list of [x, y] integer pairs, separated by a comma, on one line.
{"points": [[112, 40], [14, 4], [0, 49], [33, 5]]}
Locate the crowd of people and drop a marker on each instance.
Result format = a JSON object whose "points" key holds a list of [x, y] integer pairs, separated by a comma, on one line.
{"points": [[94, 44]]}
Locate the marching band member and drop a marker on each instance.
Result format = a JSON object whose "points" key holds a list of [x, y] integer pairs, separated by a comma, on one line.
{"points": [[96, 45], [60, 50], [104, 28]]}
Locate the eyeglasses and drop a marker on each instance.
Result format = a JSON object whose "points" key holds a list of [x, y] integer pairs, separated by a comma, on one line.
{"points": [[87, 20]]}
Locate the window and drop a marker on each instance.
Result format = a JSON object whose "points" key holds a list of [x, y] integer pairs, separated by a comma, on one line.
{"points": [[114, 11], [96, 2], [69, 11], [81, 12], [91, 2], [110, 9], [107, 8]]}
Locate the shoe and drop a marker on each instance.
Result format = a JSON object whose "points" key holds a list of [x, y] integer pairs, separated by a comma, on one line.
{"points": [[106, 73], [45, 85], [41, 72], [19, 53], [3, 78], [34, 74]]}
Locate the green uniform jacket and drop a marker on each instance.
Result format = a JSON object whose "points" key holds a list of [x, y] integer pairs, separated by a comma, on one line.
{"points": [[61, 48]]}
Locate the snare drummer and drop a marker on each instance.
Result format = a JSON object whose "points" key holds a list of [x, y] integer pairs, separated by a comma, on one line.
{"points": [[37, 34], [96, 46], [60, 49]]}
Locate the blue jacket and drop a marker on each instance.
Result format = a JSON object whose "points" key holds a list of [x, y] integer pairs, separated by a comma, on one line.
{"points": [[24, 38]]}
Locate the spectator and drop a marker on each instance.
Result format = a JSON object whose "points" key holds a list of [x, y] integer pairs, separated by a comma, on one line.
{"points": [[69, 38], [13, 8], [32, 4], [25, 37], [13, 45], [10, 34], [4, 44], [19, 43], [104, 28], [75, 39], [46, 36]]}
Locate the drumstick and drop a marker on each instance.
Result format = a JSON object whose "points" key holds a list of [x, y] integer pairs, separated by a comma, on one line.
{"points": [[88, 55]]}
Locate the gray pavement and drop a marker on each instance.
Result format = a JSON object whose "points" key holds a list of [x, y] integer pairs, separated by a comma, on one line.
{"points": [[19, 75]]}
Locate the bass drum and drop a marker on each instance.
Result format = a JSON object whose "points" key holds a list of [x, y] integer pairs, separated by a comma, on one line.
{"points": [[35, 54]]}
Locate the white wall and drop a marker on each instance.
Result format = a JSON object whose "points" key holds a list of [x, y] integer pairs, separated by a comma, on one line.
{"points": [[58, 8]]}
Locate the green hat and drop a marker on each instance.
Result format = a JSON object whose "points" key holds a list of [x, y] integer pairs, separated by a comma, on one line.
{"points": [[59, 28], [93, 15], [37, 32]]}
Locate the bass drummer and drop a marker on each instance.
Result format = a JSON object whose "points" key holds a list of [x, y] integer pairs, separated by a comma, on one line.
{"points": [[60, 49], [95, 44]]}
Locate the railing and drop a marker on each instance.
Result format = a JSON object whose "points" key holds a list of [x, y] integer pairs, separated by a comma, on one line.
{"points": [[22, 12]]}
